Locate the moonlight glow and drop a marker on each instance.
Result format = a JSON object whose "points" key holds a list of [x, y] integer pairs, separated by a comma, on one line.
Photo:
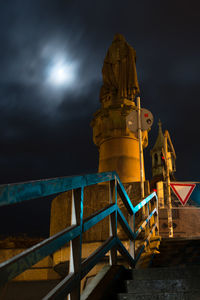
{"points": [[61, 74]]}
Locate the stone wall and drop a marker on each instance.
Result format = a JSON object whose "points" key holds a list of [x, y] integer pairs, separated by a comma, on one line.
{"points": [[186, 222]]}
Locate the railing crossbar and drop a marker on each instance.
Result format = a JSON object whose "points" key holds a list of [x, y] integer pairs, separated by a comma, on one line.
{"points": [[125, 198], [146, 242], [23, 261], [18, 192], [142, 227], [125, 253], [63, 287], [144, 202], [124, 224]]}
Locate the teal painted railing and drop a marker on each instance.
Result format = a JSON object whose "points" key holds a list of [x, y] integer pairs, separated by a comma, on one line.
{"points": [[15, 193]]}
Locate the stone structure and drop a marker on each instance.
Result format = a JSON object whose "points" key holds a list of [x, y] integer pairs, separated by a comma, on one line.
{"points": [[119, 72], [158, 161], [186, 220], [118, 146]]}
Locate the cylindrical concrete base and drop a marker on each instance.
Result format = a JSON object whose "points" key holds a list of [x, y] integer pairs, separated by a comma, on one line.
{"points": [[121, 154]]}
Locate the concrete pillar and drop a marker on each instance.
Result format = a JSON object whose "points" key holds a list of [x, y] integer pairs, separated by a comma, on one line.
{"points": [[118, 146], [160, 193]]}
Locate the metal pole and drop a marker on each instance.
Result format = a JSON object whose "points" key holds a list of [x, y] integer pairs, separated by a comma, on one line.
{"points": [[140, 148], [113, 220], [157, 216], [169, 202]]}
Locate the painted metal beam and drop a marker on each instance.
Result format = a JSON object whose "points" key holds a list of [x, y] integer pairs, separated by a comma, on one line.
{"points": [[23, 261], [124, 224], [63, 288], [125, 198], [18, 192], [142, 227], [125, 253], [143, 202], [146, 242], [95, 257]]}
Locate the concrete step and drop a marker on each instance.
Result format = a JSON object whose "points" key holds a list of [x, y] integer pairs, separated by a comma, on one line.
{"points": [[160, 296], [170, 250], [174, 252], [165, 273], [176, 260], [160, 286], [180, 239], [174, 273]]}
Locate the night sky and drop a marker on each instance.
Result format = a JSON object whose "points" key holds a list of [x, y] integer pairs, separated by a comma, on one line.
{"points": [[51, 56]]}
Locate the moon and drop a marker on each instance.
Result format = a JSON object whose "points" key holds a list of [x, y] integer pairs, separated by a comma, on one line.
{"points": [[61, 74]]}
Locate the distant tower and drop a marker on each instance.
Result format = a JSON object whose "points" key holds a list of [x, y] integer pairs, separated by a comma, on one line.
{"points": [[158, 160], [118, 146]]}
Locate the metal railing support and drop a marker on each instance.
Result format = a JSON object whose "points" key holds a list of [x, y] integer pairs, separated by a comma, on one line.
{"points": [[156, 219], [78, 269], [147, 248], [76, 244], [113, 221], [132, 242]]}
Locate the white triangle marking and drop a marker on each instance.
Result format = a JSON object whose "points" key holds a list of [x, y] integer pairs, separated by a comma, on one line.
{"points": [[183, 191]]}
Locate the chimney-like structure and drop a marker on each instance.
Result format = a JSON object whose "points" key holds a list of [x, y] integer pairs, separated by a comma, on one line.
{"points": [[118, 146], [158, 159]]}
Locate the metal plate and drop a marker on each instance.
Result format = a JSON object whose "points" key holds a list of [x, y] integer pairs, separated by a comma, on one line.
{"points": [[146, 120], [131, 121]]}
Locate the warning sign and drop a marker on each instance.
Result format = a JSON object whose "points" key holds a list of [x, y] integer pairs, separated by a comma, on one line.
{"points": [[182, 190]]}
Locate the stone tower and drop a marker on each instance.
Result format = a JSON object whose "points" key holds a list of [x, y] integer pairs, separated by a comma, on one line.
{"points": [[118, 146], [157, 155], [158, 160]]}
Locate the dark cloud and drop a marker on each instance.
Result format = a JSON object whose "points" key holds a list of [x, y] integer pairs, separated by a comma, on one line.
{"points": [[45, 130]]}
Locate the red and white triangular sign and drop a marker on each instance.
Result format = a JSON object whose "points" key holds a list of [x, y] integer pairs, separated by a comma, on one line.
{"points": [[182, 190]]}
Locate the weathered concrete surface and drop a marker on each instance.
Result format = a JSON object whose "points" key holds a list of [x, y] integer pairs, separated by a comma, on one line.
{"points": [[160, 296], [183, 252], [165, 273], [186, 222], [160, 285], [174, 273]]}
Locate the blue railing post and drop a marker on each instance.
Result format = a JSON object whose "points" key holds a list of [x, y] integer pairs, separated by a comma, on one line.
{"points": [[148, 227], [132, 243], [113, 220], [157, 216], [76, 244]]}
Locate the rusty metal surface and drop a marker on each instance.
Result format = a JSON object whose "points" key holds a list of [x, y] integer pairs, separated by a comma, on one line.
{"points": [[18, 192], [23, 261]]}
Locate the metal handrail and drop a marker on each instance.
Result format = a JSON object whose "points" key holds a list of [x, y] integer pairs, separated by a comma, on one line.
{"points": [[13, 193]]}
